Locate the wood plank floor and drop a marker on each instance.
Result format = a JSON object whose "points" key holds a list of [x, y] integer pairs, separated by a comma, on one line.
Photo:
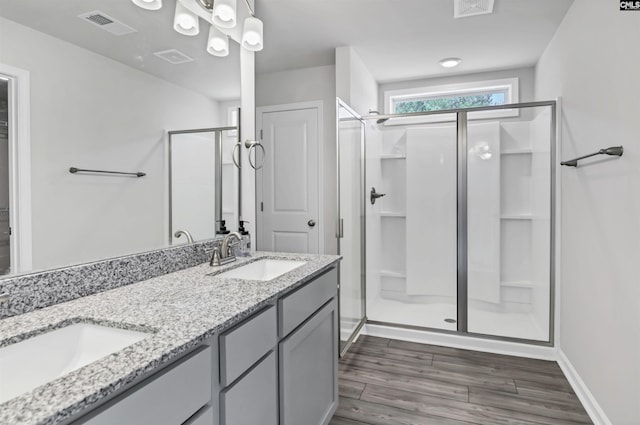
{"points": [[389, 382]]}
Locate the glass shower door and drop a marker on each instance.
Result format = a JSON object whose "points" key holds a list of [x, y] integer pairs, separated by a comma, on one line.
{"points": [[351, 223], [509, 224], [412, 270]]}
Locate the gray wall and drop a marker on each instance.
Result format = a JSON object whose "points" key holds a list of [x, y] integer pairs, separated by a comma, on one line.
{"points": [[593, 63], [303, 85]]}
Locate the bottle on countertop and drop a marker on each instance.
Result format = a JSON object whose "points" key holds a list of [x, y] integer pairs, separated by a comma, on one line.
{"points": [[244, 248]]}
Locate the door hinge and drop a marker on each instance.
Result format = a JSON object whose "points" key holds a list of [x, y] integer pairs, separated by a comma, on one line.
{"points": [[261, 206], [260, 134], [10, 231]]}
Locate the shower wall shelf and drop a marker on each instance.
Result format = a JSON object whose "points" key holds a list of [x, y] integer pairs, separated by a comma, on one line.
{"points": [[392, 214], [393, 156], [517, 217], [517, 151], [388, 273], [517, 283]]}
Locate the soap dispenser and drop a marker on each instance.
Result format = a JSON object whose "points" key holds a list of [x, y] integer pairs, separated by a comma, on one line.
{"points": [[244, 249]]}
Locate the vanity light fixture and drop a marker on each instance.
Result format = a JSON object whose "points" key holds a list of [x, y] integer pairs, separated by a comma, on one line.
{"points": [[224, 13], [221, 14], [185, 21], [148, 4], [217, 43], [450, 62], [252, 34]]}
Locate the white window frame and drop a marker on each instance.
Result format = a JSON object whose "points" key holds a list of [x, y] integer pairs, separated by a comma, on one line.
{"points": [[512, 96]]}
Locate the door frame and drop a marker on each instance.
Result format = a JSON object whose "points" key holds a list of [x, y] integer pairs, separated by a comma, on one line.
{"points": [[20, 218], [318, 105]]}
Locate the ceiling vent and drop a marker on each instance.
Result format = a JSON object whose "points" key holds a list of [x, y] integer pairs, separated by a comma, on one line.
{"points": [[106, 22], [464, 8], [173, 56]]}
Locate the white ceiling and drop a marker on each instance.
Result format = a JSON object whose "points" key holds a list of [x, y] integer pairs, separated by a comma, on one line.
{"points": [[405, 39], [218, 78]]}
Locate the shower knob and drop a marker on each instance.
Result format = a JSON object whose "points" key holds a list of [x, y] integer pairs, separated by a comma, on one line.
{"points": [[375, 195]]}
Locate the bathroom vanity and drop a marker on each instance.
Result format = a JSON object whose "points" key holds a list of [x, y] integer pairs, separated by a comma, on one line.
{"points": [[219, 350]]}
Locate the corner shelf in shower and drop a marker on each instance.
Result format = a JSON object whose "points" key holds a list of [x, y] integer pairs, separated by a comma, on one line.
{"points": [[516, 151], [517, 283], [392, 214], [393, 156], [516, 217], [389, 273]]}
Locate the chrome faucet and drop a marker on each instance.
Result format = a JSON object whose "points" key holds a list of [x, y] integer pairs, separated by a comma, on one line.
{"points": [[224, 254], [184, 232]]}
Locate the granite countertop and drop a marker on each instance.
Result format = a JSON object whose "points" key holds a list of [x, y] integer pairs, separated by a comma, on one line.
{"points": [[182, 309]]}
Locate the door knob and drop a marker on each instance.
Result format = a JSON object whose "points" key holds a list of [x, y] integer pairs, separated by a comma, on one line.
{"points": [[311, 223]]}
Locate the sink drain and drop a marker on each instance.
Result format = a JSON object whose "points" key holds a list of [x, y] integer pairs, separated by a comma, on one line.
{"points": [[450, 320]]}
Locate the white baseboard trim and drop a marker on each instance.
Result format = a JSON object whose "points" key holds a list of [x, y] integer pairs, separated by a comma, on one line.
{"points": [[587, 399], [464, 342]]}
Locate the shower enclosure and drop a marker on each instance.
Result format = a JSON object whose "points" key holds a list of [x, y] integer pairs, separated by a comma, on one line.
{"points": [[463, 239], [203, 182]]}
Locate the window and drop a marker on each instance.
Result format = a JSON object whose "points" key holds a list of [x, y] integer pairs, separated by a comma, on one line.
{"points": [[454, 96]]}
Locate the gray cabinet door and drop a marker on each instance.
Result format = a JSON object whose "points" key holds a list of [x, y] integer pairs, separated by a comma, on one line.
{"points": [[253, 399], [309, 370]]}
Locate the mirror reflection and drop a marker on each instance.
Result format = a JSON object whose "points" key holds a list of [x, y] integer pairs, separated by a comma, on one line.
{"points": [[199, 207], [98, 84]]}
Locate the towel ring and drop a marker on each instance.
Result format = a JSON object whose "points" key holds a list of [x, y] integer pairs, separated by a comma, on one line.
{"points": [[255, 154], [250, 145], [233, 155]]}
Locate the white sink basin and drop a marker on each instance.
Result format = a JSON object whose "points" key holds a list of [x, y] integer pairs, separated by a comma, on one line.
{"points": [[35, 361], [264, 270]]}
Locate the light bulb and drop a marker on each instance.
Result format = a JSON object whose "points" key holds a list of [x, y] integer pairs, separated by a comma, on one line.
{"points": [[185, 22], [217, 43], [148, 4], [224, 13], [252, 36]]}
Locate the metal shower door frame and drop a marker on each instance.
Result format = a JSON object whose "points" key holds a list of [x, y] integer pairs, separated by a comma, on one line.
{"points": [[462, 224], [363, 228]]}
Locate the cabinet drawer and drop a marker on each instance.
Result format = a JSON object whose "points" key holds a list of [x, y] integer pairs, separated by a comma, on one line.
{"points": [[297, 307], [168, 398], [245, 344], [253, 399]]}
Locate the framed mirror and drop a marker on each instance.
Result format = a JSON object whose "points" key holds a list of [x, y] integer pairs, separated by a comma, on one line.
{"points": [[97, 85]]}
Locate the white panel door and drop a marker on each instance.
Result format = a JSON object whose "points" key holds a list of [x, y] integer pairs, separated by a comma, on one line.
{"points": [[288, 205]]}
